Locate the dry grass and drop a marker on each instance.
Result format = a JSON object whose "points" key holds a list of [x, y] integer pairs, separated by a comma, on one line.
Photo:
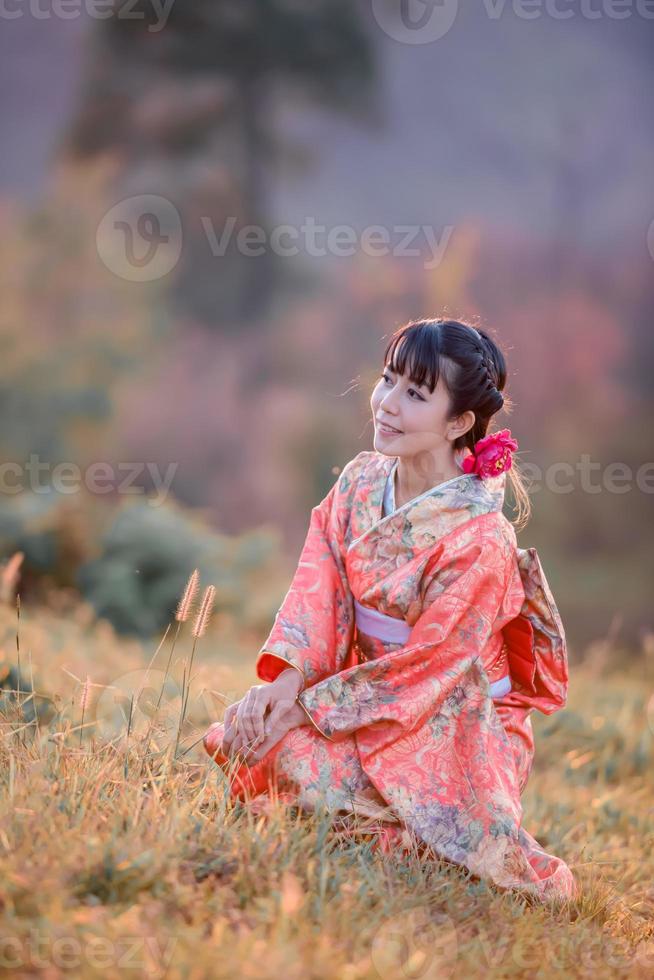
{"points": [[115, 856]]}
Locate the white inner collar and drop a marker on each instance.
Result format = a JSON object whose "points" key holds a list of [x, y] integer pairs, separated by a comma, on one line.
{"points": [[389, 490]]}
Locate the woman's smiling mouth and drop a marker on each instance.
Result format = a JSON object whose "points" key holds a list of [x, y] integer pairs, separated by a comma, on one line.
{"points": [[388, 429]]}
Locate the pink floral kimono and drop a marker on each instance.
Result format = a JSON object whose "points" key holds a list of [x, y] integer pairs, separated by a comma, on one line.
{"points": [[425, 639]]}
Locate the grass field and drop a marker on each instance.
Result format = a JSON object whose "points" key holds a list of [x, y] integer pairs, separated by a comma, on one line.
{"points": [[118, 859]]}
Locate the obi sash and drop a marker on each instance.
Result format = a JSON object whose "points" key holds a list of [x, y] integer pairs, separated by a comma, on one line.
{"points": [[389, 629]]}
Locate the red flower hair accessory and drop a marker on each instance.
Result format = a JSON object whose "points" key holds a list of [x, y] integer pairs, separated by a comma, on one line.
{"points": [[492, 455]]}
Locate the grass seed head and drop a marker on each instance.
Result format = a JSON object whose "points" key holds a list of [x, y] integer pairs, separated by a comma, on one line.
{"points": [[187, 600], [206, 608]]}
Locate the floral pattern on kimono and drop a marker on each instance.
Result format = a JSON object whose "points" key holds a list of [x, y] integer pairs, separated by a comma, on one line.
{"points": [[412, 729]]}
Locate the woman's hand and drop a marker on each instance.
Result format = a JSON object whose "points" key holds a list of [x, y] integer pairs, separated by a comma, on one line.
{"points": [[282, 718], [244, 720]]}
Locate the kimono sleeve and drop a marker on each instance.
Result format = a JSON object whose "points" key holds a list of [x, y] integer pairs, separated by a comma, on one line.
{"points": [[462, 606], [314, 626], [536, 642]]}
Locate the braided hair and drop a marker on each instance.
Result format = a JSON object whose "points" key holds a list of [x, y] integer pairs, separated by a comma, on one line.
{"points": [[474, 372]]}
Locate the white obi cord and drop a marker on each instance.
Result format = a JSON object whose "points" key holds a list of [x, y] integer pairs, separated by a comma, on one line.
{"points": [[379, 625], [392, 630]]}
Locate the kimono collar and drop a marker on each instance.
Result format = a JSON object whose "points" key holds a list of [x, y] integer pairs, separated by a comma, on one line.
{"points": [[431, 514]]}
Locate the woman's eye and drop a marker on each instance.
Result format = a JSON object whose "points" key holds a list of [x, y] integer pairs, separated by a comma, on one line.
{"points": [[412, 391]]}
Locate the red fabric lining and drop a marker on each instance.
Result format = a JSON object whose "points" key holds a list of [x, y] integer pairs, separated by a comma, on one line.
{"points": [[519, 639]]}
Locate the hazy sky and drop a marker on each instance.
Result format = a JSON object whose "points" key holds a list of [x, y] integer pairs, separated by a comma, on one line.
{"points": [[544, 125]]}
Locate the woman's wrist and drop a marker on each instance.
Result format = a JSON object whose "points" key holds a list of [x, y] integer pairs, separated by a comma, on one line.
{"points": [[290, 681], [299, 714]]}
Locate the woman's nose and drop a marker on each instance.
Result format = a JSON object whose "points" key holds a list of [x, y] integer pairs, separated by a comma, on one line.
{"points": [[387, 404]]}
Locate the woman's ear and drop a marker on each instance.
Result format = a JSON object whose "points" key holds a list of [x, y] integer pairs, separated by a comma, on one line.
{"points": [[462, 424]]}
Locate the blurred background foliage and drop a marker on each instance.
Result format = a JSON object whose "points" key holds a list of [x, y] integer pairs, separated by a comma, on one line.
{"points": [[253, 375]]}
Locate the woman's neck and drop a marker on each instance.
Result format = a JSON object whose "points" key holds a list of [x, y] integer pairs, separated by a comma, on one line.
{"points": [[412, 479]]}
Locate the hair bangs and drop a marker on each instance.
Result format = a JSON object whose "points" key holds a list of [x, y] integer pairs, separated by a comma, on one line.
{"points": [[414, 353]]}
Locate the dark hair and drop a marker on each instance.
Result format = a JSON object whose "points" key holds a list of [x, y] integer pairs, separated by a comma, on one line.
{"points": [[474, 373]]}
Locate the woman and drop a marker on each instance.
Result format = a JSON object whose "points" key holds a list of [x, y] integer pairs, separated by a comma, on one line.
{"points": [[416, 637]]}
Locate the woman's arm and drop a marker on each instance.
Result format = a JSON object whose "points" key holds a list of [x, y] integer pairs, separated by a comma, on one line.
{"points": [[314, 626], [311, 637]]}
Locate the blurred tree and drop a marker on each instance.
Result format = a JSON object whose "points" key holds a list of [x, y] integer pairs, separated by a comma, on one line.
{"points": [[70, 333], [201, 92]]}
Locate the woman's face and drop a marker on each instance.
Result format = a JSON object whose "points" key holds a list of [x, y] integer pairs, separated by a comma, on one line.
{"points": [[421, 416]]}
